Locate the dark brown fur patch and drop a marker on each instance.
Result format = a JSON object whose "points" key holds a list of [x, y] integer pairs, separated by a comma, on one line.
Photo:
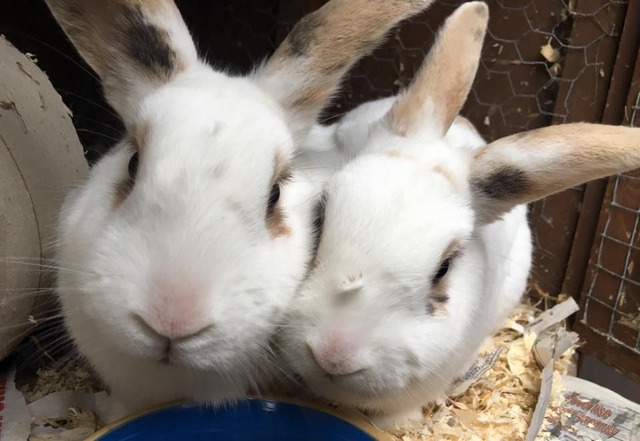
{"points": [[311, 34], [147, 44], [277, 223], [276, 218], [303, 34], [115, 34], [505, 183], [318, 222], [122, 191], [437, 302]]}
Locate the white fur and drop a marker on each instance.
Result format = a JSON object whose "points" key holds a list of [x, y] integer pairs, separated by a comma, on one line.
{"points": [[390, 220], [191, 232], [188, 256], [188, 252], [362, 330]]}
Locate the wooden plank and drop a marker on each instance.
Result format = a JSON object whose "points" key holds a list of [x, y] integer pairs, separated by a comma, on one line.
{"points": [[554, 220], [622, 360], [614, 113], [595, 319]]}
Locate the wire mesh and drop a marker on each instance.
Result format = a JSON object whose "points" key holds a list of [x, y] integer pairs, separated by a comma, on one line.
{"points": [[544, 62], [521, 69], [612, 305]]}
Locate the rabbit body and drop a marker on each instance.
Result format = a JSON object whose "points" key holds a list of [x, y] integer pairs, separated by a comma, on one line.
{"points": [[413, 350], [425, 247]]}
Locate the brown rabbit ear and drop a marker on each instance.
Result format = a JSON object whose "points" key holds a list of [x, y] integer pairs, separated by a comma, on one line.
{"points": [[307, 68], [440, 88], [133, 45], [523, 168]]}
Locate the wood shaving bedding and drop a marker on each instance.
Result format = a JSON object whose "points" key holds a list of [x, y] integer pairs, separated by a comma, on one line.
{"points": [[497, 407], [75, 376]]}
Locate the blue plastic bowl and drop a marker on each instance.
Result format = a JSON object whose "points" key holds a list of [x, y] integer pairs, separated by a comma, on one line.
{"points": [[253, 419]]}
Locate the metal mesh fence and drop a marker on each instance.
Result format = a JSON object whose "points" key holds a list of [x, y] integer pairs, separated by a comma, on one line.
{"points": [[517, 88], [543, 62], [522, 67], [612, 304]]}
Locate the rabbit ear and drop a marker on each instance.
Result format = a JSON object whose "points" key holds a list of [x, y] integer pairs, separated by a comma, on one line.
{"points": [[307, 68], [440, 88], [523, 168], [133, 45]]}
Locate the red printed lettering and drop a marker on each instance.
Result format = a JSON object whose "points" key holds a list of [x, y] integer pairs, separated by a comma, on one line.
{"points": [[593, 408], [594, 423]]}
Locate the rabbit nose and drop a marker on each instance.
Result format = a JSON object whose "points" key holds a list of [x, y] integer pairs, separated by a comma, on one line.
{"points": [[177, 307], [336, 356], [173, 331]]}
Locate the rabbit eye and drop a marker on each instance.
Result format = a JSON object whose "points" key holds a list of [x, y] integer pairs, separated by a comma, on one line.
{"points": [[274, 197], [318, 219], [133, 166], [318, 222], [442, 271]]}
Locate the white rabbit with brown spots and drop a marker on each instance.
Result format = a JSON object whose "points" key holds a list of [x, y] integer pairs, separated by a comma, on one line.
{"points": [[180, 254], [425, 246]]}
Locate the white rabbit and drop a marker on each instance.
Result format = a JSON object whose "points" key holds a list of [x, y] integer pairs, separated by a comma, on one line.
{"points": [[414, 266], [179, 255], [508, 240]]}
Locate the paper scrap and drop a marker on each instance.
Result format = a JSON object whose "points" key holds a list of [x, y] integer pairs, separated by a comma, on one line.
{"points": [[15, 419], [552, 316], [591, 412], [543, 402], [550, 346], [476, 372]]}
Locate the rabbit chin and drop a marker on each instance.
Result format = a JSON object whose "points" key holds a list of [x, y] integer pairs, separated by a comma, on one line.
{"points": [[137, 383], [376, 394]]}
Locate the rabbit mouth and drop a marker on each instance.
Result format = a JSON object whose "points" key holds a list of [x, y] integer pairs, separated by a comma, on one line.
{"points": [[197, 357], [354, 387]]}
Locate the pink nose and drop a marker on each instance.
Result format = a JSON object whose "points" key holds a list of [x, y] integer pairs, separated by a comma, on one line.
{"points": [[336, 356], [178, 307]]}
